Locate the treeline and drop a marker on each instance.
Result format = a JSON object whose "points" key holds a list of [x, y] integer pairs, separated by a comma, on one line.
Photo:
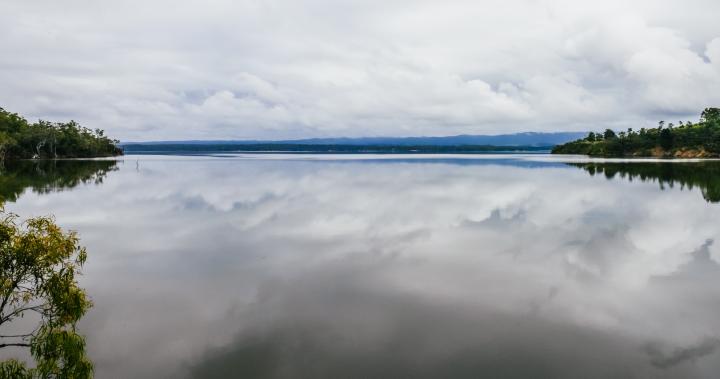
{"points": [[196, 148], [681, 140], [20, 139]]}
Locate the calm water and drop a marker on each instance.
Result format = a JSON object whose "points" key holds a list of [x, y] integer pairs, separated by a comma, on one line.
{"points": [[397, 267]]}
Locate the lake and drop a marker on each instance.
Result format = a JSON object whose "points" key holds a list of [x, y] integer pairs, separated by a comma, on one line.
{"points": [[387, 266]]}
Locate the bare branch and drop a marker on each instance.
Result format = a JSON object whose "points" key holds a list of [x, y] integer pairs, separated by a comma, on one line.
{"points": [[18, 311], [14, 344], [20, 335]]}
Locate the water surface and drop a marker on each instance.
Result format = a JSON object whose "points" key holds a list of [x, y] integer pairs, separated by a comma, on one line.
{"points": [[276, 266]]}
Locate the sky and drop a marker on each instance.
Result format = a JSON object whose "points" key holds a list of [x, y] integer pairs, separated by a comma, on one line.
{"points": [[223, 69]]}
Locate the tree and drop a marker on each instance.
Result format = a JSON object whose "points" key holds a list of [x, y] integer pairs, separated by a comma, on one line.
{"points": [[6, 142], [591, 137], [38, 269], [609, 134], [710, 114], [666, 139]]}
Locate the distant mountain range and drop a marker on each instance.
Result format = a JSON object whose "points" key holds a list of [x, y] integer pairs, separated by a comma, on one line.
{"points": [[517, 139]]}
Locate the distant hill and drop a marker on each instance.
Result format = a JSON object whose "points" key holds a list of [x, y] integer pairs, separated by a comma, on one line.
{"points": [[518, 139], [209, 148]]}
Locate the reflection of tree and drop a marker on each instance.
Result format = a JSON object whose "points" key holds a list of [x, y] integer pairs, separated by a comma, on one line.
{"points": [[704, 175], [39, 266], [49, 176]]}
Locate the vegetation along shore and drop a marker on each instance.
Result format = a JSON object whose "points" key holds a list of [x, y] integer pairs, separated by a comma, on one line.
{"points": [[20, 139], [681, 140]]}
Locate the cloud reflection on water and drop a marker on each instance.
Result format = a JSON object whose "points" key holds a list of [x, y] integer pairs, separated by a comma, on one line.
{"points": [[285, 268]]}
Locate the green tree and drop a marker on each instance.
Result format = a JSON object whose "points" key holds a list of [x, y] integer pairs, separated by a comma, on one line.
{"points": [[710, 114], [39, 263], [21, 139], [666, 139], [609, 134], [6, 143]]}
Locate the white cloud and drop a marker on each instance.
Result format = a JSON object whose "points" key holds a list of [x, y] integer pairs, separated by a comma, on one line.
{"points": [[284, 69]]}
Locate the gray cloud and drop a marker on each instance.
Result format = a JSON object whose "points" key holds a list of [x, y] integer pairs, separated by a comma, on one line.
{"points": [[477, 264], [662, 359], [283, 69], [362, 330]]}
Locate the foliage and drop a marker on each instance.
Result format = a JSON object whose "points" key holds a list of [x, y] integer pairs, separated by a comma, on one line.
{"points": [[39, 264], [686, 140], [711, 114], [20, 139]]}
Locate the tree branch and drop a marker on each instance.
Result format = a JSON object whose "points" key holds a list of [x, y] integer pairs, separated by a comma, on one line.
{"points": [[14, 344], [36, 308], [19, 335]]}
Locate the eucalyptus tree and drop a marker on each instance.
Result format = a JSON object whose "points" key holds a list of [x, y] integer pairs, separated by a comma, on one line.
{"points": [[40, 299]]}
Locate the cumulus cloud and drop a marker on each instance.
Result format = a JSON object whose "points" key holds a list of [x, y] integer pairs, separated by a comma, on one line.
{"points": [[287, 69]]}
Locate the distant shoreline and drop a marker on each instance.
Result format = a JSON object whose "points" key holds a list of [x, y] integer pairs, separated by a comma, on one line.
{"points": [[145, 149]]}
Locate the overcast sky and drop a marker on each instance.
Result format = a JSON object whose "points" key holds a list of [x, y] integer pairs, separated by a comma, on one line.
{"points": [[222, 69]]}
